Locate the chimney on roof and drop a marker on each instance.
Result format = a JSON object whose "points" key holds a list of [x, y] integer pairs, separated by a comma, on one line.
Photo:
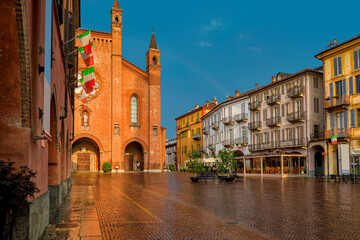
{"points": [[207, 103], [237, 93], [256, 85], [197, 106], [273, 79], [215, 100], [231, 97]]}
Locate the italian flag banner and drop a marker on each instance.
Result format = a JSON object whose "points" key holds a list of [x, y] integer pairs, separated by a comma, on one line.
{"points": [[83, 98], [85, 40], [88, 58], [88, 79]]}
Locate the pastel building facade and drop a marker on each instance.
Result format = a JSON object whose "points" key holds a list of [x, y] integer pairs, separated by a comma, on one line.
{"points": [[170, 148], [286, 123], [226, 126], [341, 65]]}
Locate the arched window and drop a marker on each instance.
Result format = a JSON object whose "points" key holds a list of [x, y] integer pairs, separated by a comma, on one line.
{"points": [[134, 110], [154, 61]]}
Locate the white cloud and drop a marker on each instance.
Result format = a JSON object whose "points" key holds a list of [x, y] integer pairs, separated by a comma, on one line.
{"points": [[254, 49], [214, 24], [204, 44], [242, 36]]}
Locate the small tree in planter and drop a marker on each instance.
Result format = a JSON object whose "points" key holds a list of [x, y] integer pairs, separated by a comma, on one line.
{"points": [[195, 162], [16, 188], [106, 167], [225, 161]]}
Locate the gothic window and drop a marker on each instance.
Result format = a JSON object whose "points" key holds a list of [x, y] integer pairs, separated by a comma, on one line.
{"points": [[134, 110]]}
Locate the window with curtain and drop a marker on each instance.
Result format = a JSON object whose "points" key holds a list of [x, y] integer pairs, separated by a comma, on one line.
{"points": [[134, 110]]}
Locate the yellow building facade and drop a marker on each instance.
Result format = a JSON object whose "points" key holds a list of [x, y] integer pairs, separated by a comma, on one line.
{"points": [[341, 66], [189, 131]]}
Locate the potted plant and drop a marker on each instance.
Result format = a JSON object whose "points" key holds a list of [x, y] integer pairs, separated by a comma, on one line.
{"points": [[226, 163], [16, 188], [106, 167]]}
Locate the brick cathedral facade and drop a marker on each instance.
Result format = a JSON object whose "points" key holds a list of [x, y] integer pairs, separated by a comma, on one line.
{"points": [[121, 122]]}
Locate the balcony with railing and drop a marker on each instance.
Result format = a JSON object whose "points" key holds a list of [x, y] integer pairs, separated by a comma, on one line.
{"points": [[296, 142], [241, 117], [274, 99], [255, 147], [295, 92], [296, 117], [266, 145], [197, 136], [241, 140], [229, 120], [275, 144], [339, 133], [274, 121], [205, 130], [317, 136], [215, 125], [254, 105], [255, 125], [228, 142], [338, 101]]}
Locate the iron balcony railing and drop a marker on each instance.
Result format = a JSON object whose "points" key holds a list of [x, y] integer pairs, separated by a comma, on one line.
{"points": [[274, 121], [205, 130], [255, 125], [315, 136], [255, 147], [215, 125], [296, 142], [228, 142], [266, 145], [229, 120], [241, 140], [296, 116], [339, 133], [338, 101], [197, 136], [254, 105], [294, 92], [241, 117], [274, 99]]}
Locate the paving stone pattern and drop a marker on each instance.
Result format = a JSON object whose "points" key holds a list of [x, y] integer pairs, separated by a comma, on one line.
{"points": [[170, 206]]}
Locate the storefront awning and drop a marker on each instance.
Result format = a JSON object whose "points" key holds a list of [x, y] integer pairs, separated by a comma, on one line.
{"points": [[209, 160]]}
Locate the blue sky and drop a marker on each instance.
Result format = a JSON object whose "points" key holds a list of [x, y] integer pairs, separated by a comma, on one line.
{"points": [[211, 48]]}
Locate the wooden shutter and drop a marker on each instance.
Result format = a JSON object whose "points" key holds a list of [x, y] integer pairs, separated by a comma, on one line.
{"points": [[283, 134], [332, 121], [335, 67], [352, 117], [331, 89], [339, 66], [356, 59], [351, 85], [283, 110], [344, 92], [346, 119]]}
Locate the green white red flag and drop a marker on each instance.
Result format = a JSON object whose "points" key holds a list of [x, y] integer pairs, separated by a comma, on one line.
{"points": [[85, 40], [88, 58], [88, 79]]}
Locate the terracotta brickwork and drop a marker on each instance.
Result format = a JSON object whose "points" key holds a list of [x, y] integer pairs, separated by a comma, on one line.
{"points": [[127, 144]]}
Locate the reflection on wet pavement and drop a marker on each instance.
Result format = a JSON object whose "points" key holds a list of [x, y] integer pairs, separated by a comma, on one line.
{"points": [[170, 206]]}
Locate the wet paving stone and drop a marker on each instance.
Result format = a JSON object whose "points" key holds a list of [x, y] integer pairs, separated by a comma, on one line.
{"points": [[170, 206]]}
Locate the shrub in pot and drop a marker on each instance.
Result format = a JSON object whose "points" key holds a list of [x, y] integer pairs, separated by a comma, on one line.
{"points": [[172, 167], [106, 167]]}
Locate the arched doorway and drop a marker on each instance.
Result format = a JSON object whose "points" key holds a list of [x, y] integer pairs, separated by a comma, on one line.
{"points": [[134, 157], [319, 164], [239, 161], [85, 155]]}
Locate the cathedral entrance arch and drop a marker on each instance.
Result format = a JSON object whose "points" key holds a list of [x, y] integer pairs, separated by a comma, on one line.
{"points": [[85, 155], [134, 157]]}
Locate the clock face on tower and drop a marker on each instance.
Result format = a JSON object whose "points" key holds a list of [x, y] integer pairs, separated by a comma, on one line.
{"points": [[80, 90]]}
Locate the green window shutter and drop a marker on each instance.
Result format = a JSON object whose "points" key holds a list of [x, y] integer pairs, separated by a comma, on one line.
{"points": [[351, 85], [352, 117]]}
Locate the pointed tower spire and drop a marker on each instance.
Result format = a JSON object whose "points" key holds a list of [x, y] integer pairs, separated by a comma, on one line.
{"points": [[153, 42], [116, 5]]}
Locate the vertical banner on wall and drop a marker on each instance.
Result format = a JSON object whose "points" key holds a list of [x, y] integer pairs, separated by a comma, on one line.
{"points": [[47, 64]]}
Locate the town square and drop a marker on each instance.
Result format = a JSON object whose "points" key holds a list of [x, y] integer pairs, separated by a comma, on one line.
{"points": [[179, 120]]}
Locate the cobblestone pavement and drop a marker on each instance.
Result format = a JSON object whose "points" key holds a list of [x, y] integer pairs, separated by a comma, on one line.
{"points": [[170, 206]]}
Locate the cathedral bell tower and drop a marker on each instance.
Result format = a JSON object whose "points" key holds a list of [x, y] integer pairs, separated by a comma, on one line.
{"points": [[153, 68], [116, 84]]}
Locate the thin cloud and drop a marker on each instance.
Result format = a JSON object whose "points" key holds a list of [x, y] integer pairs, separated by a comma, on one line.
{"points": [[214, 24], [205, 44], [254, 49], [243, 36]]}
